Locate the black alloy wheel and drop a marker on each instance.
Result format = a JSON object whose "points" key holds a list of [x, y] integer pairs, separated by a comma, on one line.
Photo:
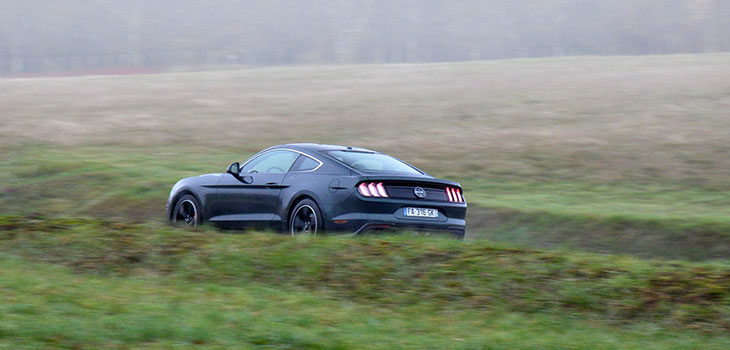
{"points": [[186, 211], [305, 219]]}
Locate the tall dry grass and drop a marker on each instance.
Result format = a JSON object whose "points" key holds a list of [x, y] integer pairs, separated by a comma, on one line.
{"points": [[597, 119]]}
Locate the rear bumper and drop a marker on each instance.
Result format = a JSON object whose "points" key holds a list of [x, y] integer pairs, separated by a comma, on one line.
{"points": [[387, 214]]}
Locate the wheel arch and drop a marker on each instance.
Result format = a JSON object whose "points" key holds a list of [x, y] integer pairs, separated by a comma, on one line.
{"points": [[178, 195], [293, 203]]}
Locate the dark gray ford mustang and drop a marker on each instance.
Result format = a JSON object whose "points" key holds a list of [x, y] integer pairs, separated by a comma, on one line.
{"points": [[312, 188]]}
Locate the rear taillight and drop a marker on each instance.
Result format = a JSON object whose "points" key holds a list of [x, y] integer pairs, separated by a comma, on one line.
{"points": [[454, 195], [372, 189]]}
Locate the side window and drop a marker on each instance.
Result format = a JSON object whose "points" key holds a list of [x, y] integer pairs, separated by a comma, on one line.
{"points": [[305, 164], [271, 162]]}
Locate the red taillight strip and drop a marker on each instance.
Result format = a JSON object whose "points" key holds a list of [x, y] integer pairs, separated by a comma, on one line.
{"points": [[381, 189], [372, 189], [363, 188], [454, 194]]}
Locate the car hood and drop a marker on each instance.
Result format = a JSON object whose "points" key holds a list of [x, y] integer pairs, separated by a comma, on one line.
{"points": [[202, 180]]}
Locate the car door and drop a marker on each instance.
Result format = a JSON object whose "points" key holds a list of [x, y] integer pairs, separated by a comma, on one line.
{"points": [[251, 198]]}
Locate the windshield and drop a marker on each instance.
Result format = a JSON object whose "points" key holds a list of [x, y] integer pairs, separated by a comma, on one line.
{"points": [[372, 162]]}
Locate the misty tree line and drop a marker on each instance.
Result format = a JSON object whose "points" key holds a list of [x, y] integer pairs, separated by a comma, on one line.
{"points": [[40, 36]]}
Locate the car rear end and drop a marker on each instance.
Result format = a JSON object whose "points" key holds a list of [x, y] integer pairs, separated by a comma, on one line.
{"points": [[417, 203]]}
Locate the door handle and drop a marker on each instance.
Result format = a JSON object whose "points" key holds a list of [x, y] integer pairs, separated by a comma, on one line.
{"points": [[270, 184]]}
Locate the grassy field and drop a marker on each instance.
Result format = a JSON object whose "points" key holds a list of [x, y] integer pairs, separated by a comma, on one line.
{"points": [[622, 155], [82, 283], [625, 149]]}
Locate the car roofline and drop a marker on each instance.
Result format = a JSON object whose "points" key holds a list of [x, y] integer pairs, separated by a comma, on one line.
{"points": [[313, 148], [371, 172], [317, 147]]}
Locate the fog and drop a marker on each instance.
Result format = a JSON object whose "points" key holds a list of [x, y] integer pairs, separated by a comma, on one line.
{"points": [[46, 36]]}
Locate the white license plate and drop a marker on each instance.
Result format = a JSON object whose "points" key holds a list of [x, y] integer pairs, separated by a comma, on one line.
{"points": [[421, 212]]}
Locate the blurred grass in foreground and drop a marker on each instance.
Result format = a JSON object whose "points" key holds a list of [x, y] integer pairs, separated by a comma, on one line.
{"points": [[86, 283]]}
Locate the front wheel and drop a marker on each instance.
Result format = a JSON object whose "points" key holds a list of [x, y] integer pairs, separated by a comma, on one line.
{"points": [[305, 218], [186, 211]]}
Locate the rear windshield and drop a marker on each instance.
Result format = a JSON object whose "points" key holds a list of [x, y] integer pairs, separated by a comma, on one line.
{"points": [[372, 162]]}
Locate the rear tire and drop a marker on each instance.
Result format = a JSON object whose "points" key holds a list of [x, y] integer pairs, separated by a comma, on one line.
{"points": [[305, 218], [186, 212]]}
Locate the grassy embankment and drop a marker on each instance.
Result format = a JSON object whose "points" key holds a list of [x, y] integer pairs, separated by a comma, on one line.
{"points": [[90, 284], [615, 154]]}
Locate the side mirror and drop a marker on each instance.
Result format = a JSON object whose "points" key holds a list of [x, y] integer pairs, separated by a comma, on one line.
{"points": [[234, 169]]}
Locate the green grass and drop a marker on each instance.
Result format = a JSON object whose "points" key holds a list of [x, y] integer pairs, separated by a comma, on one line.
{"points": [[53, 308], [132, 183], [649, 220], [80, 283], [640, 202]]}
